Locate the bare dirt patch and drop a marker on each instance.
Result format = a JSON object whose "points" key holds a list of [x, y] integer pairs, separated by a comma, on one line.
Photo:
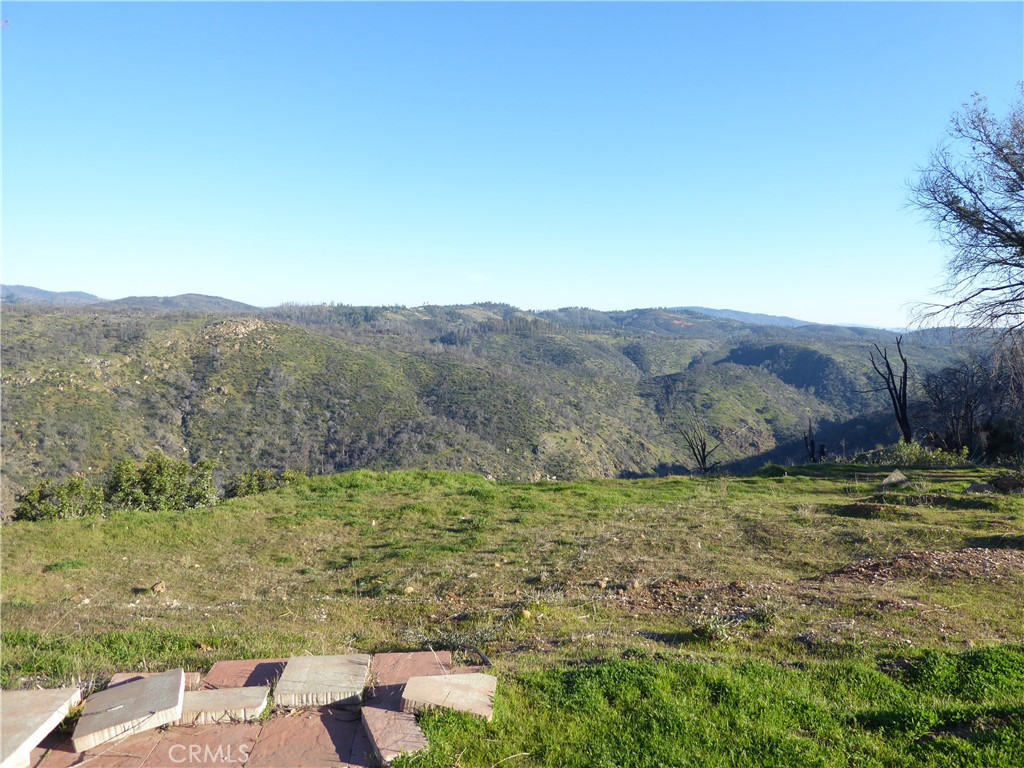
{"points": [[971, 563]]}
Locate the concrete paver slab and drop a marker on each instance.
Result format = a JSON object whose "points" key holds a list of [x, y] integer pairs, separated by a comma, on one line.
{"points": [[225, 705], [208, 746], [389, 673], [193, 680], [315, 681], [312, 739], [130, 708], [26, 717], [392, 734], [242, 673], [473, 693]]}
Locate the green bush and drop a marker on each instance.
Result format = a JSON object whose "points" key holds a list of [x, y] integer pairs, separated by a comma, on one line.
{"points": [[161, 483], [75, 497], [917, 455], [260, 481]]}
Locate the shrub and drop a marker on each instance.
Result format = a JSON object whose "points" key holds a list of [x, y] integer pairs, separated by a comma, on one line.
{"points": [[73, 498], [161, 483], [917, 455], [260, 481]]}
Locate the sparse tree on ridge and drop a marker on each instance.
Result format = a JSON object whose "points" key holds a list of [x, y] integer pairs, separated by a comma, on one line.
{"points": [[697, 436], [895, 385], [972, 190]]}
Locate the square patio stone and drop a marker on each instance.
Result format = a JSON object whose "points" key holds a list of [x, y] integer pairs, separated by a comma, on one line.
{"points": [[392, 734], [243, 673], [315, 681], [472, 693], [130, 708], [310, 739], [225, 705], [26, 717]]}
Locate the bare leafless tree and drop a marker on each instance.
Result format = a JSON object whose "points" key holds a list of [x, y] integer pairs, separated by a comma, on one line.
{"points": [[697, 436], [972, 190], [895, 386], [960, 399]]}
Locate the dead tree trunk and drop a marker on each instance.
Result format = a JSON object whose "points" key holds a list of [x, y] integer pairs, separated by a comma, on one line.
{"points": [[896, 387], [697, 437]]}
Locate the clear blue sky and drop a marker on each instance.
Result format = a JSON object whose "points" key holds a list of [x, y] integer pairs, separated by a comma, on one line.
{"points": [[751, 156]]}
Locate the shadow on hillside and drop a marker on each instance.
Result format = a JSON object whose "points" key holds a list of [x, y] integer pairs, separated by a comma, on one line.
{"points": [[662, 470]]}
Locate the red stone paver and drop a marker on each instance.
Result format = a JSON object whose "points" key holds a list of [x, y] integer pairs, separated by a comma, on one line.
{"points": [[205, 746], [362, 749], [389, 672], [242, 674], [392, 734], [310, 739], [129, 753], [193, 680]]}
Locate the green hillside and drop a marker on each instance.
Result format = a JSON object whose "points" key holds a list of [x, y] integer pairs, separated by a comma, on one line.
{"points": [[839, 624], [484, 388]]}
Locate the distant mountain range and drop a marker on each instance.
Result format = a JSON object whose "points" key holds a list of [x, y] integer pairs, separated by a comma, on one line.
{"points": [[26, 294], [748, 317], [196, 302], [186, 302]]}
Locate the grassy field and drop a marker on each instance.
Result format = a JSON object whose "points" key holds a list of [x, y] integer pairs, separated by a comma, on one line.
{"points": [[806, 618]]}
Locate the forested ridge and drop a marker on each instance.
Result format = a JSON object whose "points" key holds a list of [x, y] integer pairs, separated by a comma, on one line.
{"points": [[485, 388]]}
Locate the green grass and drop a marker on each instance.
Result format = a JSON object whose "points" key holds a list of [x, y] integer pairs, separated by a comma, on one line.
{"points": [[659, 712], [799, 619]]}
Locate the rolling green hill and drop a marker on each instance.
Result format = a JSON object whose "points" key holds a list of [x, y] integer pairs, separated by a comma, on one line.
{"points": [[484, 388]]}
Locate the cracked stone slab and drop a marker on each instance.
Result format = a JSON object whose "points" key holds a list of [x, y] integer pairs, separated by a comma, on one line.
{"points": [[472, 693], [130, 708], [317, 681], [224, 705], [28, 716], [243, 673], [392, 734]]}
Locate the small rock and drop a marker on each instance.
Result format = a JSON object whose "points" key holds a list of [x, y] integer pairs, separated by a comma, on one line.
{"points": [[1009, 484], [895, 479], [474, 575], [981, 488], [601, 583], [409, 590], [158, 588]]}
